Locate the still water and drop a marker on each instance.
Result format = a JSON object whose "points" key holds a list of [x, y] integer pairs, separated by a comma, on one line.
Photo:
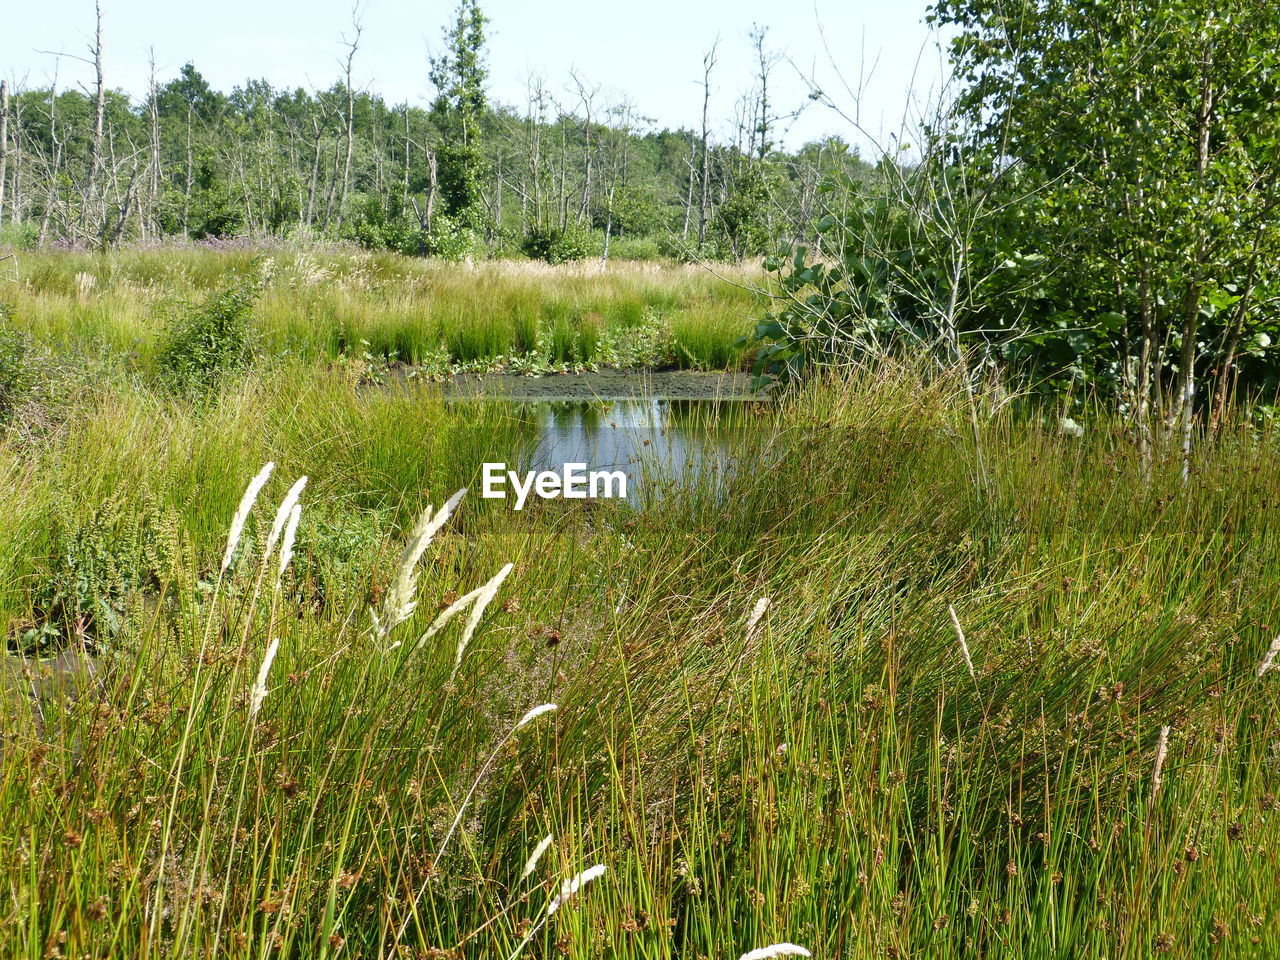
{"points": [[658, 443]]}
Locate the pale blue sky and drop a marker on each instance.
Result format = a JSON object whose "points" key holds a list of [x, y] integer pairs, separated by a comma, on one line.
{"points": [[650, 50]]}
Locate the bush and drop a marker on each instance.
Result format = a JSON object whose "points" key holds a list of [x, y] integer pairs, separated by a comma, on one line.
{"points": [[388, 225], [556, 246], [636, 248], [21, 236], [211, 340], [450, 239]]}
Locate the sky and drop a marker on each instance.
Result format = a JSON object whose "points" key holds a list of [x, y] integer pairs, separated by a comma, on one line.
{"points": [[650, 51]]}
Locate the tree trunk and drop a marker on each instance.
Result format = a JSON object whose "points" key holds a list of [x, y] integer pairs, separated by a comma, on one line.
{"points": [[4, 143], [704, 213], [100, 107], [191, 177]]}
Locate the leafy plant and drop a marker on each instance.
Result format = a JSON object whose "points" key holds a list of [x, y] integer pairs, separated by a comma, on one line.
{"points": [[102, 560], [555, 245], [210, 341]]}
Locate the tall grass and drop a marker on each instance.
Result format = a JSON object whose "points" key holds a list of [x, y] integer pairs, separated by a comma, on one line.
{"points": [[823, 770], [322, 303]]}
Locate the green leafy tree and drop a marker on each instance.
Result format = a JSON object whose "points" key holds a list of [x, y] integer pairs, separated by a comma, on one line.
{"points": [[459, 75], [1152, 132]]}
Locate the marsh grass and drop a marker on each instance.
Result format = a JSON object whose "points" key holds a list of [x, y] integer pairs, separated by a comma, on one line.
{"points": [[323, 304], [1116, 621]]}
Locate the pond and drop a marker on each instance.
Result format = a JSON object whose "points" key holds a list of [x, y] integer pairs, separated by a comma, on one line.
{"points": [[660, 430], [657, 442]]}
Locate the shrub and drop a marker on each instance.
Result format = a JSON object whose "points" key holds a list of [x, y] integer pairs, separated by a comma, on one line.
{"points": [[379, 225], [211, 340], [449, 239], [636, 248], [21, 236], [556, 246]]}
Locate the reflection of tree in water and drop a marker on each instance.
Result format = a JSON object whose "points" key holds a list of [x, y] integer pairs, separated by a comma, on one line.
{"points": [[652, 440]]}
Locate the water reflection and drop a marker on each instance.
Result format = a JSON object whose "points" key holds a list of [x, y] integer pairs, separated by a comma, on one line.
{"points": [[656, 442]]}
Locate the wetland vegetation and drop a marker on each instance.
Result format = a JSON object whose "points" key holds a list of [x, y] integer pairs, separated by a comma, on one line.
{"points": [[959, 640]]}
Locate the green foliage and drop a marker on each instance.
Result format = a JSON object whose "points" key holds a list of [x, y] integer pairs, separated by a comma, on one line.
{"points": [[103, 560], [383, 224], [630, 247], [1139, 225], [335, 550], [1096, 215], [555, 245], [743, 222], [20, 236], [450, 238], [16, 376], [210, 341], [459, 75], [642, 345]]}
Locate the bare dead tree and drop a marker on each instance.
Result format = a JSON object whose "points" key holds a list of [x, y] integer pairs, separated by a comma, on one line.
{"points": [[586, 97], [704, 210], [153, 158], [765, 62], [4, 142], [352, 45]]}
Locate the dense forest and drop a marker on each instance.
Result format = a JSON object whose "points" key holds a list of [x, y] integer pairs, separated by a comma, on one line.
{"points": [[463, 176]]}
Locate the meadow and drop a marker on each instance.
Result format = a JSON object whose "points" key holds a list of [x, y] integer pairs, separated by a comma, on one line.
{"points": [[869, 693]]}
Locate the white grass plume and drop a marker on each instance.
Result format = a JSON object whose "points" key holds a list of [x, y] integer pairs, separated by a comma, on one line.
{"points": [[242, 512], [964, 647], [1162, 750], [757, 614], [260, 685], [286, 545], [447, 614], [570, 887], [534, 857], [534, 714], [485, 597], [1269, 661], [282, 515], [400, 604], [776, 950]]}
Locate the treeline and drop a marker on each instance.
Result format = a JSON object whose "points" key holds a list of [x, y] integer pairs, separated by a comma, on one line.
{"points": [[568, 172]]}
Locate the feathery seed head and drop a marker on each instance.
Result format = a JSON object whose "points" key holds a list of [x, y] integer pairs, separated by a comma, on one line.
{"points": [[776, 950], [260, 685], [482, 601], [964, 647], [534, 857], [242, 512], [286, 545], [282, 515], [1270, 659], [757, 614], [400, 604], [535, 713], [571, 887]]}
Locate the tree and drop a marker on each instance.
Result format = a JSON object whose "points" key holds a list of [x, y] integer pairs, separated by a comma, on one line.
{"points": [[458, 74], [1152, 128]]}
